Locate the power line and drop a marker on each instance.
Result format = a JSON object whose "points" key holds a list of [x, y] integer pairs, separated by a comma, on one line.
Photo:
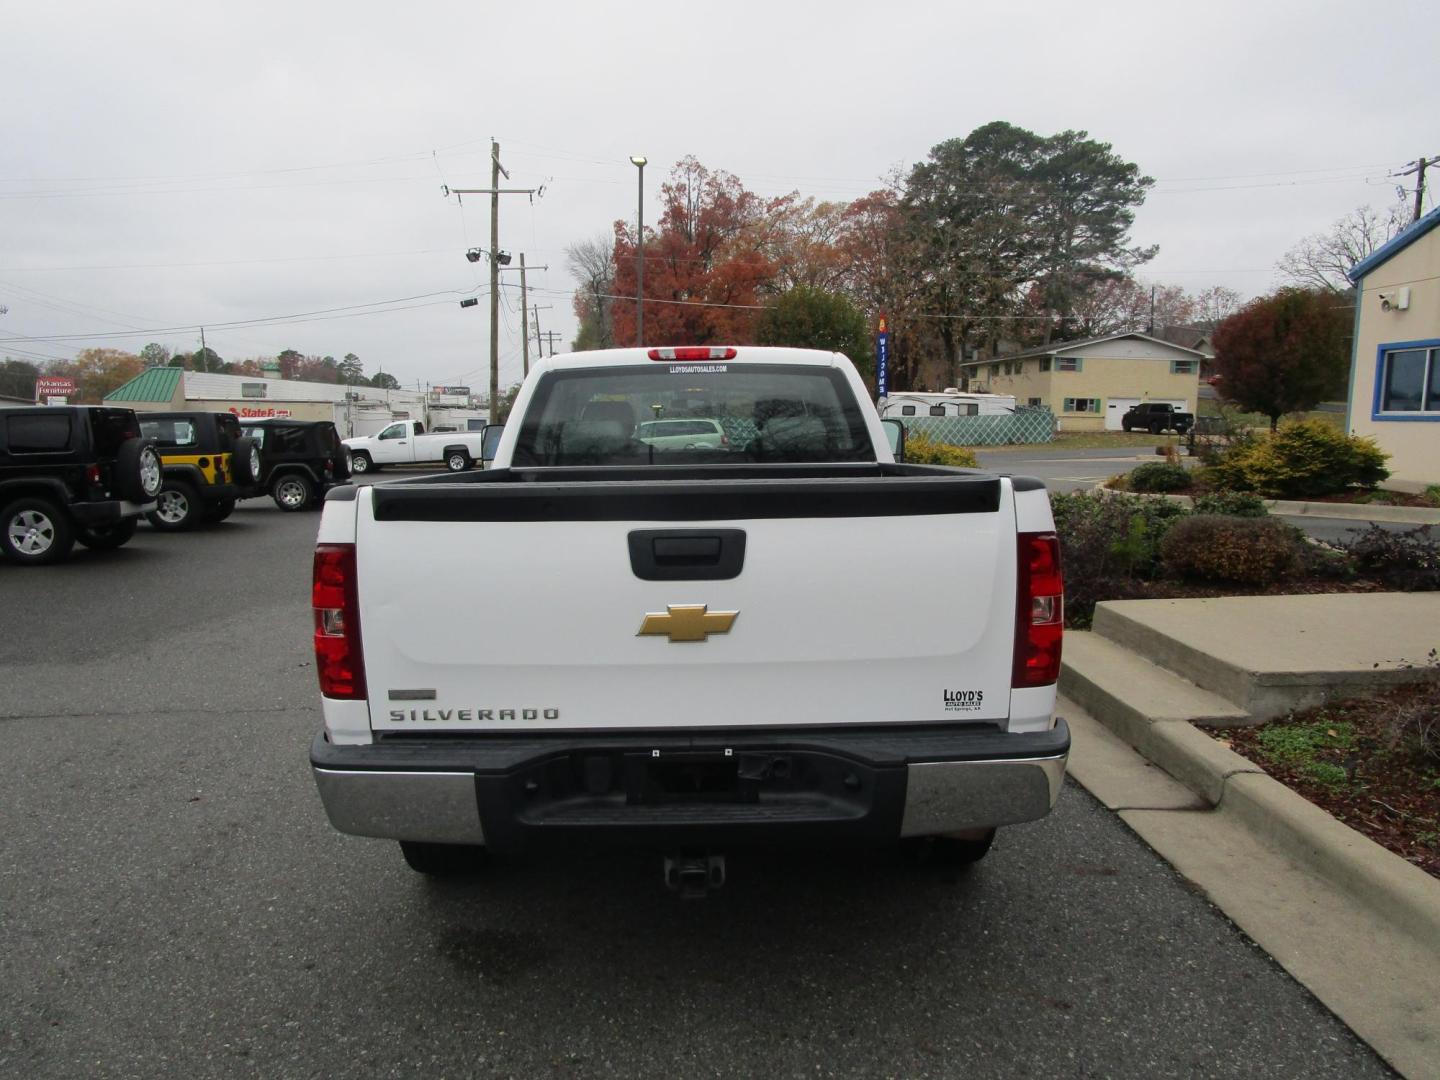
{"points": [[381, 307]]}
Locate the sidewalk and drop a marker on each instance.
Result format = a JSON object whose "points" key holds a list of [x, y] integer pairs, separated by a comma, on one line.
{"points": [[1357, 924]]}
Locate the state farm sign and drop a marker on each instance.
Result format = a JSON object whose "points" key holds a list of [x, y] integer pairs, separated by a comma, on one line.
{"points": [[259, 412], [49, 388]]}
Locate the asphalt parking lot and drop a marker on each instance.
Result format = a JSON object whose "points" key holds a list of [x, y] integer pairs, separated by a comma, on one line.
{"points": [[174, 903]]}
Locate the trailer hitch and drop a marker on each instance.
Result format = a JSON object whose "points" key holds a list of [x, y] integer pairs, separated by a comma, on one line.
{"points": [[694, 876]]}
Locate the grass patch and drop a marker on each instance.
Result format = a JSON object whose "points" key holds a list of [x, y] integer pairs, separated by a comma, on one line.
{"points": [[1300, 744], [1215, 407]]}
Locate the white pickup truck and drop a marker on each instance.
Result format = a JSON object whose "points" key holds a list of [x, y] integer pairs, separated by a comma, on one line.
{"points": [[688, 649], [406, 443]]}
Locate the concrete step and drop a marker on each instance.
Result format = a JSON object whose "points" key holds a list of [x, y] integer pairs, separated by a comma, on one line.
{"points": [[1153, 710], [1110, 680], [1268, 655]]}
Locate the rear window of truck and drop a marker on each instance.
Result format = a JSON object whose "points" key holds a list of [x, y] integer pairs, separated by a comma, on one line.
{"points": [[775, 413]]}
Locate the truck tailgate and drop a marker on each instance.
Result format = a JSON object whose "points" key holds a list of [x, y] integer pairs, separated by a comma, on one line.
{"points": [[488, 607]]}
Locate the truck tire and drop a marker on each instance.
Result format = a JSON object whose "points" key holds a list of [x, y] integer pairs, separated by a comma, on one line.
{"points": [[340, 467], [1157, 427], [293, 491], [1124, 424], [138, 474], [360, 463], [245, 462], [457, 460], [948, 850], [444, 860], [35, 531], [177, 507], [217, 512], [108, 537]]}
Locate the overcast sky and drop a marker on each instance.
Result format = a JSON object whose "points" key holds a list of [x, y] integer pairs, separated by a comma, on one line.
{"points": [[168, 165]]}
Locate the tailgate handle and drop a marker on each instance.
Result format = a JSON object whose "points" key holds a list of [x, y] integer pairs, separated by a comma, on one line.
{"points": [[687, 554]]}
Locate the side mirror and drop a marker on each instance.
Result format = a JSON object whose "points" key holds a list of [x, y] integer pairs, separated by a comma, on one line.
{"points": [[895, 436], [489, 440]]}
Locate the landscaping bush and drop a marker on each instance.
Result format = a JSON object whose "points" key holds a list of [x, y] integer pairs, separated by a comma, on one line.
{"points": [[1231, 504], [1243, 551], [1300, 461], [1159, 476], [922, 450], [1108, 547], [1408, 561]]}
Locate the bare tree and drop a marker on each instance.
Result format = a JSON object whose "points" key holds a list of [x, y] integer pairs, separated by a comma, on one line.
{"points": [[592, 265], [1322, 260], [1214, 305]]}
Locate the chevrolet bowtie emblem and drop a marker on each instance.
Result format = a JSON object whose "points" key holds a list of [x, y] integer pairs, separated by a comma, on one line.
{"points": [[687, 622]]}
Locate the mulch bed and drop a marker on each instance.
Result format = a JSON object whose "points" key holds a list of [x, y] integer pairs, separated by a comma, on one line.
{"points": [[1390, 795]]}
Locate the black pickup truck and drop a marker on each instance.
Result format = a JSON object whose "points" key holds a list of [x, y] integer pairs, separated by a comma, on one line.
{"points": [[1155, 417]]}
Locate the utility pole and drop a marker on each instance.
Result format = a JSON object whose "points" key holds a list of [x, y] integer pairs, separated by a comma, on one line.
{"points": [[550, 336], [539, 347], [204, 354], [494, 191], [1418, 167], [525, 311]]}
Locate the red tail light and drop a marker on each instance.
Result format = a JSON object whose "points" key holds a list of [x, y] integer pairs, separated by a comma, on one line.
{"points": [[338, 659], [1039, 611], [92, 474], [694, 352]]}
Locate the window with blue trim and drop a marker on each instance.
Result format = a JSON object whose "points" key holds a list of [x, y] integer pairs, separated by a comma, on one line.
{"points": [[1182, 367], [1409, 382], [1069, 363]]}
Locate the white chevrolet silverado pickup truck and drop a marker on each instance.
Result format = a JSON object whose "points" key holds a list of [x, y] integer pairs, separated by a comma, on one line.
{"points": [[405, 442], [689, 649]]}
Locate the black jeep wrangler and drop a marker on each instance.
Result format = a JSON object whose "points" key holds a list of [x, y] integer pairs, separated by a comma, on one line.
{"points": [[72, 472], [299, 461], [208, 463]]}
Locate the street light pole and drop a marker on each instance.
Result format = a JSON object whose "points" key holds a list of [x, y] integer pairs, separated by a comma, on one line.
{"points": [[639, 162]]}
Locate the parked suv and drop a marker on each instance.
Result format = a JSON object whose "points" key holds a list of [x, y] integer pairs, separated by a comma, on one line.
{"points": [[299, 460], [1157, 416], [208, 464], [72, 473]]}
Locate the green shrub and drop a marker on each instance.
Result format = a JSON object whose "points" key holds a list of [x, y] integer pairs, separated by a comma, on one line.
{"points": [[1300, 461], [1159, 476], [922, 450], [1230, 504], [1108, 546], [1243, 551]]}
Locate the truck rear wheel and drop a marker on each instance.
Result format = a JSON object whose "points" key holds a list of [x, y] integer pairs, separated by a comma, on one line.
{"points": [[458, 461], [960, 849], [444, 860]]}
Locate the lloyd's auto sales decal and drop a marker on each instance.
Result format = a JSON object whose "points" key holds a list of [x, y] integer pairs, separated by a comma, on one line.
{"points": [[698, 369], [964, 700]]}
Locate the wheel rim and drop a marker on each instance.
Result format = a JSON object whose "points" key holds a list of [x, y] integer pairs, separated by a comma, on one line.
{"points": [[359, 464], [173, 508], [292, 493], [254, 462], [31, 532], [149, 472], [456, 463]]}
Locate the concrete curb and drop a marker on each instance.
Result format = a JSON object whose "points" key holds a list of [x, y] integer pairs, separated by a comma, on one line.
{"points": [[1373, 875], [1395, 515], [1370, 874]]}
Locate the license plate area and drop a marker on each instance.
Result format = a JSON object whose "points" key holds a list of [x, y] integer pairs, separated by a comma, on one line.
{"points": [[688, 776]]}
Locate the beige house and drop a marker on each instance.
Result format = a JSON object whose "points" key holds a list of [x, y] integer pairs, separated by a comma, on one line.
{"points": [[1395, 371], [1089, 385]]}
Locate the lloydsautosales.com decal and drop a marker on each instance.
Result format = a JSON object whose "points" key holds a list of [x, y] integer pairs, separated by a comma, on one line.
{"points": [[964, 700]]}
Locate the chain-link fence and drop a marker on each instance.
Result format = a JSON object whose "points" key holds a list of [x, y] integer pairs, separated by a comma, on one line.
{"points": [[1024, 425]]}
